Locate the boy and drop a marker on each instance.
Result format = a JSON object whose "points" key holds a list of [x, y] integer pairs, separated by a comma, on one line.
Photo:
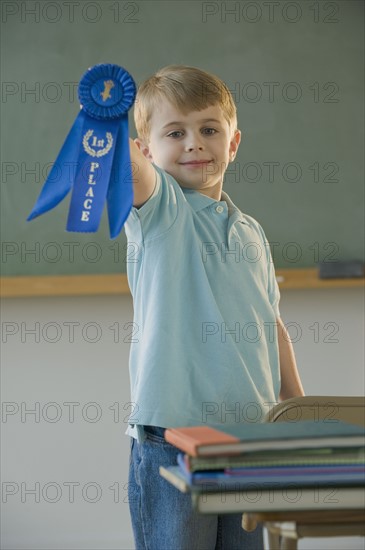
{"points": [[209, 345]]}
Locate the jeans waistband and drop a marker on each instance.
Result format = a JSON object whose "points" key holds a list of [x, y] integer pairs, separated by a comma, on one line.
{"points": [[157, 430]]}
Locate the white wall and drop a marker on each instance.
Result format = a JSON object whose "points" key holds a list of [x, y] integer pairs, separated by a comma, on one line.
{"points": [[39, 451]]}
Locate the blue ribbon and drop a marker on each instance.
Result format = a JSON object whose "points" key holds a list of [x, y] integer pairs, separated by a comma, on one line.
{"points": [[96, 150]]}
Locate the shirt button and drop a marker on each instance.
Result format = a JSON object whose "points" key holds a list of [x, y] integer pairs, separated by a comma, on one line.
{"points": [[219, 209]]}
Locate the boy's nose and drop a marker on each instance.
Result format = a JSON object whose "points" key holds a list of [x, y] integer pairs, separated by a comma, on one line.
{"points": [[193, 148], [193, 142]]}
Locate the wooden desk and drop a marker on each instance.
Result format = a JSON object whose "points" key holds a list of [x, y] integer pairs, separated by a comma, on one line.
{"points": [[84, 285], [285, 528]]}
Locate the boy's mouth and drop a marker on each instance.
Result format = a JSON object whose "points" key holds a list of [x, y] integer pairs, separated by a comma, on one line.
{"points": [[195, 162]]}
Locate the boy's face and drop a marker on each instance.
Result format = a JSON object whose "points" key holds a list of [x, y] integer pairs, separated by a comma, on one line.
{"points": [[194, 148]]}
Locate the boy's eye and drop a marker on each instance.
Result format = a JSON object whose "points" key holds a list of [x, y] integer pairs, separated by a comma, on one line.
{"points": [[210, 131], [173, 134]]}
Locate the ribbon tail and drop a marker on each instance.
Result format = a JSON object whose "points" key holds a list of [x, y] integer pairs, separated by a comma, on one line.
{"points": [[120, 191], [93, 177], [60, 180]]}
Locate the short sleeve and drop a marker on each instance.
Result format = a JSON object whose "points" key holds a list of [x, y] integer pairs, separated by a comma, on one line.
{"points": [[272, 284], [273, 287], [158, 213]]}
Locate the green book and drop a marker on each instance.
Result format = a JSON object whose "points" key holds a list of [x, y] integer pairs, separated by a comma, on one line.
{"points": [[263, 500], [289, 457]]}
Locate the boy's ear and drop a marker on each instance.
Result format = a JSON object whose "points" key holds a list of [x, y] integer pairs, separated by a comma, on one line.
{"points": [[234, 144], [143, 148]]}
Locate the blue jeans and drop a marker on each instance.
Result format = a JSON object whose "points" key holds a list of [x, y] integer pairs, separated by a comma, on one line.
{"points": [[163, 518]]}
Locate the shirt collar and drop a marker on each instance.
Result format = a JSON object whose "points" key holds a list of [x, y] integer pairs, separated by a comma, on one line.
{"points": [[198, 201]]}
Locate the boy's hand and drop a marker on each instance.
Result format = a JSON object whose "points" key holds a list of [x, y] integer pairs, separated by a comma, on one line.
{"points": [[144, 175]]}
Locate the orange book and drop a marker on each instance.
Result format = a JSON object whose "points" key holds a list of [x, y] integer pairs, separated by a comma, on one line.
{"points": [[192, 438]]}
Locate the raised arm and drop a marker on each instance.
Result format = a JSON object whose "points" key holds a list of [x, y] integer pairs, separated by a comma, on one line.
{"points": [[144, 175]]}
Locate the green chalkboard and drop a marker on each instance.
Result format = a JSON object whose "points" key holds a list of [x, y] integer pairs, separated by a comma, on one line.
{"points": [[295, 70]]}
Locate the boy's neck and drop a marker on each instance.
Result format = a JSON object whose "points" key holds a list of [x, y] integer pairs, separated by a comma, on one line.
{"points": [[213, 193]]}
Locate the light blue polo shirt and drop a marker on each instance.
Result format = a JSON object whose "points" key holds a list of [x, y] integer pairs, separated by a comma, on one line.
{"points": [[204, 346]]}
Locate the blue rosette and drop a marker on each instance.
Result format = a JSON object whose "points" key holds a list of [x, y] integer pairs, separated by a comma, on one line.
{"points": [[97, 147]]}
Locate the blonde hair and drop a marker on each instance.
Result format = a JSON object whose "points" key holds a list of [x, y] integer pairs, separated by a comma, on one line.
{"points": [[187, 89]]}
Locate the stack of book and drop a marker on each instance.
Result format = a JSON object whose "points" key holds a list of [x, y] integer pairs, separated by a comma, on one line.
{"points": [[301, 465]]}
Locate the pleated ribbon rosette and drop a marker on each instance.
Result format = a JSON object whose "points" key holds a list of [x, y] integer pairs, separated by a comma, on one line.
{"points": [[94, 160]]}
